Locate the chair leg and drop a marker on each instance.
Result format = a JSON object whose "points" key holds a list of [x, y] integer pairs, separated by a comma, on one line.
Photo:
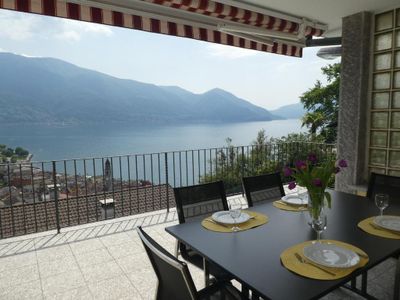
{"points": [[176, 252], [396, 292], [206, 273], [245, 291], [364, 282], [353, 283]]}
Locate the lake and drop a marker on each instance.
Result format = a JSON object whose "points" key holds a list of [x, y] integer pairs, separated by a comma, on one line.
{"points": [[47, 142]]}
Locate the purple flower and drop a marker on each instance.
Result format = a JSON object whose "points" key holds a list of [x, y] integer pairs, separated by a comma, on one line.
{"points": [[287, 171], [317, 182], [312, 158], [342, 163], [336, 170], [292, 185], [300, 165]]}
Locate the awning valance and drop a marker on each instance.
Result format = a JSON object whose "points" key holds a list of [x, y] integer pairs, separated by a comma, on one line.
{"points": [[204, 20]]}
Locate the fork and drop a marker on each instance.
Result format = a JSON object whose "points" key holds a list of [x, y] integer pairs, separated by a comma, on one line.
{"points": [[216, 223], [303, 261]]}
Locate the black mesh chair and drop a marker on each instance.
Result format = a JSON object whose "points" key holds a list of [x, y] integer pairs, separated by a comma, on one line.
{"points": [[174, 279], [386, 184], [390, 185], [194, 203], [262, 188]]}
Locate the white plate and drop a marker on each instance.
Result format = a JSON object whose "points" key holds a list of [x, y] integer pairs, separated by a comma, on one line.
{"points": [[224, 217], [294, 199], [331, 255], [388, 222]]}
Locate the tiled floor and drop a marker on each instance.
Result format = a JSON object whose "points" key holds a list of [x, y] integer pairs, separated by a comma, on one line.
{"points": [[107, 261]]}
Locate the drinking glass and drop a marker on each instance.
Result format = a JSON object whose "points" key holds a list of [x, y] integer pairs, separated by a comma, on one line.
{"points": [[319, 224], [235, 211], [381, 201]]}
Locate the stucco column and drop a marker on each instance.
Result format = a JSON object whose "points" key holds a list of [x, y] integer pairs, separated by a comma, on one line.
{"points": [[353, 99]]}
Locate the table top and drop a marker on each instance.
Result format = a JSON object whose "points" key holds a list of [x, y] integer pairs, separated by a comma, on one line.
{"points": [[253, 256]]}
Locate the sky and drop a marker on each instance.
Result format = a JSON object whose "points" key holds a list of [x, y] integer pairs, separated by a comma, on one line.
{"points": [[264, 79]]}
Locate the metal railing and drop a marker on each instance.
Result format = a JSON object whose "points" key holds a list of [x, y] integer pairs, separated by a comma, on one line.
{"points": [[48, 195]]}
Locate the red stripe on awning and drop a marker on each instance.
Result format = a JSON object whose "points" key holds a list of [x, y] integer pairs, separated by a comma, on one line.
{"points": [[203, 34], [49, 7], [294, 27], [284, 48], [188, 31], [264, 48], [117, 19], [293, 53], [203, 5], [172, 28], [241, 42], [271, 22], [96, 14], [217, 37], [283, 25], [230, 40], [73, 11], [23, 5], [137, 22], [218, 8], [155, 25]]}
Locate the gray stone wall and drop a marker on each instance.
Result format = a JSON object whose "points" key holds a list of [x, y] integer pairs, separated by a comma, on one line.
{"points": [[353, 105]]}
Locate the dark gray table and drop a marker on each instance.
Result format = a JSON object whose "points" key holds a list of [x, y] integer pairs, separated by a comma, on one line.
{"points": [[253, 256]]}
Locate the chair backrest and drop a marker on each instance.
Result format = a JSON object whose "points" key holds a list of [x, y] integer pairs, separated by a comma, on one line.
{"points": [[195, 201], [262, 188], [386, 184], [174, 279]]}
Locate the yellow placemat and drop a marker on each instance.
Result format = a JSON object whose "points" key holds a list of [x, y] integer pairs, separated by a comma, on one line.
{"points": [[281, 205], [257, 220], [367, 227], [290, 262]]}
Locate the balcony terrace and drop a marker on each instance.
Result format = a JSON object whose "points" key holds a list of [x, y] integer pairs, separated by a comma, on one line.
{"points": [[78, 240], [105, 260]]}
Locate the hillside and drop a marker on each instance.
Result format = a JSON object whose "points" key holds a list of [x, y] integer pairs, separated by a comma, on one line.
{"points": [[291, 111], [47, 90]]}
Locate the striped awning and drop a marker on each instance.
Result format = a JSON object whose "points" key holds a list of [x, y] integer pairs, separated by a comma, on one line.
{"points": [[204, 20]]}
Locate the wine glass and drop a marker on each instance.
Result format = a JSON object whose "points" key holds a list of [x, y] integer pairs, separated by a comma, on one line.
{"points": [[319, 225], [235, 211], [381, 201]]}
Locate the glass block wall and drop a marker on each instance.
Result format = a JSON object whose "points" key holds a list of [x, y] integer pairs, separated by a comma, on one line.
{"points": [[384, 141]]}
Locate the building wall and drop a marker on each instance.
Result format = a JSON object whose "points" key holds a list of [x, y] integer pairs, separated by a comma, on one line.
{"points": [[369, 110], [352, 135], [384, 108]]}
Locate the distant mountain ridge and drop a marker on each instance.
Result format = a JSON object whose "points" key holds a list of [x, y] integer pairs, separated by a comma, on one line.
{"points": [[47, 90], [291, 111]]}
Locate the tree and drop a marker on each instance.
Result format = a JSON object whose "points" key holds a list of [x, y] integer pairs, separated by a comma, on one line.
{"points": [[322, 103], [8, 152], [21, 152]]}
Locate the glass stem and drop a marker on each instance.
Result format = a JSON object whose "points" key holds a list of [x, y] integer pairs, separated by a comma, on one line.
{"points": [[381, 211], [319, 236]]}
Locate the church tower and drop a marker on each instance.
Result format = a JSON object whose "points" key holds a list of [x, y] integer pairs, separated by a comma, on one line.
{"points": [[107, 176]]}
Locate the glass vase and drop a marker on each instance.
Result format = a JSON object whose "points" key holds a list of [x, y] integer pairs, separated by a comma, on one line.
{"points": [[317, 211]]}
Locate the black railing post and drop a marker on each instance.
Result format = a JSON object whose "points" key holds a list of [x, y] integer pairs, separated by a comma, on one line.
{"points": [[56, 197], [166, 178]]}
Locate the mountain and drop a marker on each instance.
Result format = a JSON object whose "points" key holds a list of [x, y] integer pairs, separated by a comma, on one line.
{"points": [[291, 111], [47, 90]]}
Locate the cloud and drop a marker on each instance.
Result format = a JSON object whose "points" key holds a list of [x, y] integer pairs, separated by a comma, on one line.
{"points": [[73, 31], [229, 52], [20, 26], [17, 26]]}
